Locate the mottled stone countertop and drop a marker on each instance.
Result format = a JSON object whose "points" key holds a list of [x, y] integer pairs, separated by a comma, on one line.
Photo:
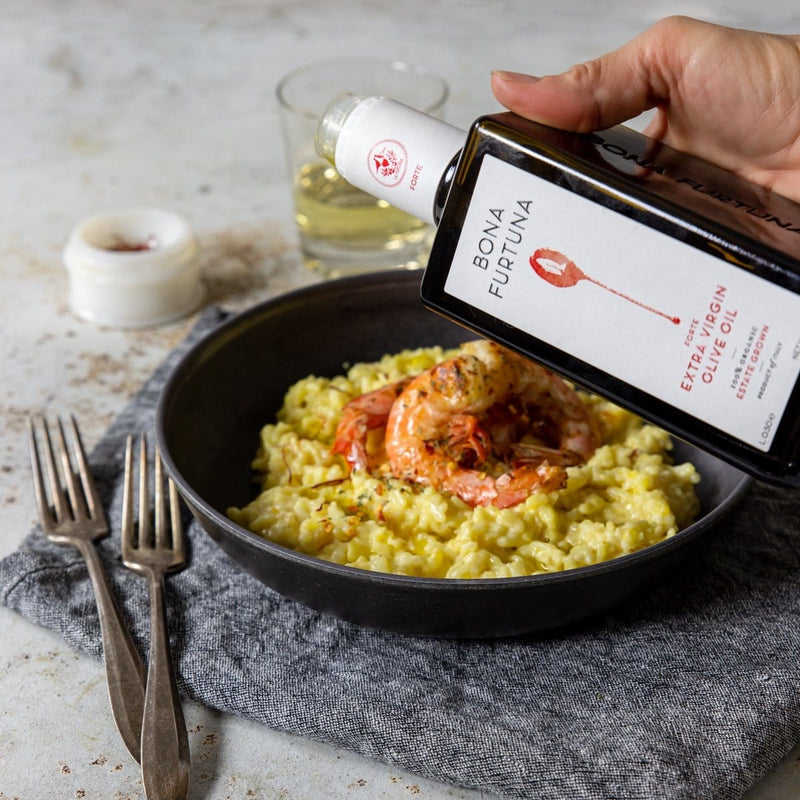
{"points": [[108, 105]]}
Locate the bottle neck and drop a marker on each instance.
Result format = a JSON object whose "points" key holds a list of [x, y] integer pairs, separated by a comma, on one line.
{"points": [[394, 152], [444, 188]]}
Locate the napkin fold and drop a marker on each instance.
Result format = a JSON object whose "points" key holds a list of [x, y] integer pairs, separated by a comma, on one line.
{"points": [[692, 691]]}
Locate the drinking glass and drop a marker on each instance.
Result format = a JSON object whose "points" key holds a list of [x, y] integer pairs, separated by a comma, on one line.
{"points": [[343, 230]]}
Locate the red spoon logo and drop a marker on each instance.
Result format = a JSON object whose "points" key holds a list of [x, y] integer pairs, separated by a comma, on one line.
{"points": [[560, 271]]}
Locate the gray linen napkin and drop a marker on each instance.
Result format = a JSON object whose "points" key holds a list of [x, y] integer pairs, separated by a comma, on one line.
{"points": [[691, 692]]}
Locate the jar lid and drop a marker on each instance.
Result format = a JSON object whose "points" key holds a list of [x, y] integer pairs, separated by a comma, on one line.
{"points": [[133, 268]]}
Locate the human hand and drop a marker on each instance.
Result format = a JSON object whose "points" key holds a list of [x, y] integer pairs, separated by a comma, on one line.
{"points": [[729, 96]]}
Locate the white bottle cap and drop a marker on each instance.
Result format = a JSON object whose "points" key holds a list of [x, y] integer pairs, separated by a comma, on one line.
{"points": [[134, 268], [389, 150]]}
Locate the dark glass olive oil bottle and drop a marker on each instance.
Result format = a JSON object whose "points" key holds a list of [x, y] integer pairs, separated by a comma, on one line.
{"points": [[648, 276]]}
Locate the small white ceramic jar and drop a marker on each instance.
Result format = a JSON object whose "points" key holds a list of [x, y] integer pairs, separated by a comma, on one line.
{"points": [[134, 268]]}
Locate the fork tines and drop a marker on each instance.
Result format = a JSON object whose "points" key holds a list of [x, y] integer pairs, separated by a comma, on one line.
{"points": [[81, 501], [163, 536]]}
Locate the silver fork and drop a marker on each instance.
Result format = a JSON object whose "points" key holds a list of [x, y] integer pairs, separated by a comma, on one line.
{"points": [[165, 747], [76, 519]]}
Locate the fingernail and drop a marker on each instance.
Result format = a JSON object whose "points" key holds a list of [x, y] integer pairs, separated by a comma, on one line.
{"points": [[514, 77]]}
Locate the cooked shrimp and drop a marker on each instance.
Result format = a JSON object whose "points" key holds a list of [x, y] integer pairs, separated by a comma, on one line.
{"points": [[443, 424], [362, 414]]}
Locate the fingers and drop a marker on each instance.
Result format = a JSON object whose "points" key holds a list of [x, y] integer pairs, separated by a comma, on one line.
{"points": [[607, 90], [727, 95]]}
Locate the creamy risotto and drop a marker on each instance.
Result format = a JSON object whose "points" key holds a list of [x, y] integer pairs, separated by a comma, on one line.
{"points": [[627, 496]]}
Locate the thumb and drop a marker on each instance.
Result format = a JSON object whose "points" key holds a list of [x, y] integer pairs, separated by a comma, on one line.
{"points": [[590, 96]]}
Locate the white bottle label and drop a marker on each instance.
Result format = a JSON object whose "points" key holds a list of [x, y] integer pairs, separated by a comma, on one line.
{"points": [[715, 341]]}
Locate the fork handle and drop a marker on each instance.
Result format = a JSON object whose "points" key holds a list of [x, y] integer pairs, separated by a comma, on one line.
{"points": [[125, 673], [165, 745]]}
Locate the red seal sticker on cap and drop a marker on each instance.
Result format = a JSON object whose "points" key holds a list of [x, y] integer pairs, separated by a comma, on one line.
{"points": [[388, 160]]}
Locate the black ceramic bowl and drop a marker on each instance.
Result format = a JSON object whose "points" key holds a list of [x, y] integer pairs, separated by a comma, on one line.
{"points": [[233, 382]]}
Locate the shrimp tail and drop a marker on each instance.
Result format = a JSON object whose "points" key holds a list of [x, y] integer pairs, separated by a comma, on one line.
{"points": [[353, 448], [361, 415]]}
